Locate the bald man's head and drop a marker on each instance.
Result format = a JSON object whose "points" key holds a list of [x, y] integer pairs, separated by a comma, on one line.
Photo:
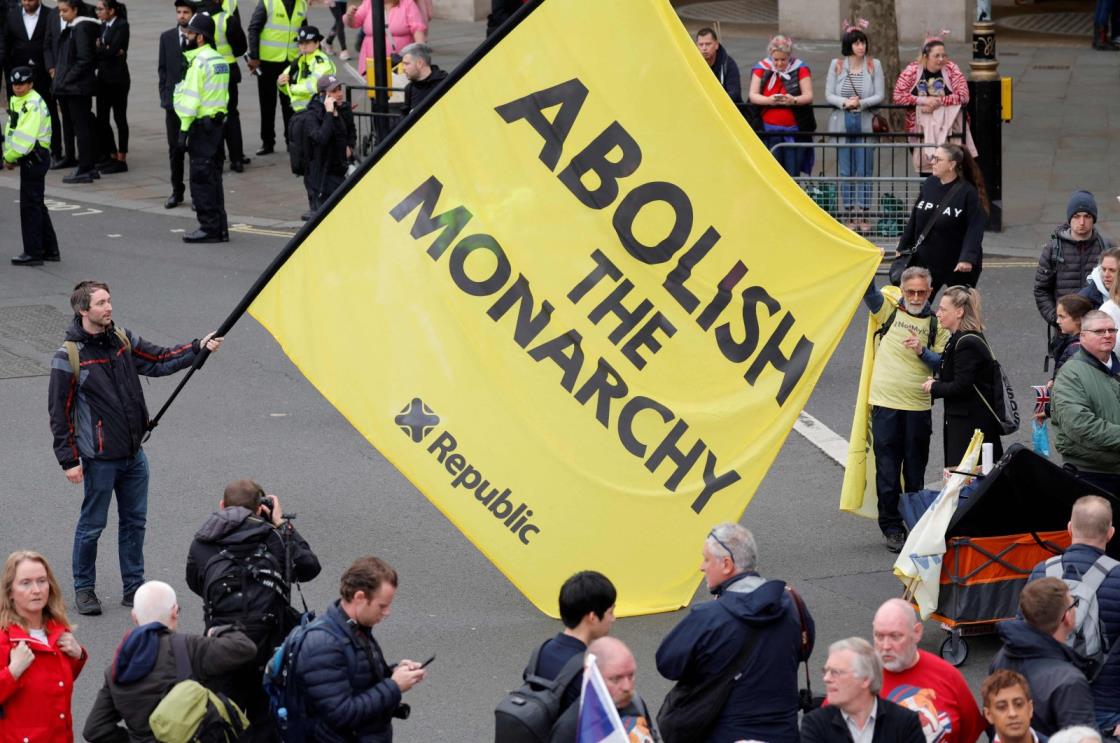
{"points": [[1091, 521], [617, 666], [897, 631]]}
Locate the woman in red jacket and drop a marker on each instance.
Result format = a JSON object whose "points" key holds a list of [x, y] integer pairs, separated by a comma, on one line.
{"points": [[39, 657]]}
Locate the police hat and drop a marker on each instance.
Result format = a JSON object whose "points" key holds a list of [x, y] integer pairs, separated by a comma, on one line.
{"points": [[202, 24], [21, 75], [308, 33]]}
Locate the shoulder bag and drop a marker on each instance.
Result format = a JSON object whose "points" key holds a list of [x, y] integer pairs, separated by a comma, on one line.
{"points": [[1003, 408]]}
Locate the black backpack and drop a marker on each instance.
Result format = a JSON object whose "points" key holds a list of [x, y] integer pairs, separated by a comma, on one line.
{"points": [[527, 714], [299, 141], [245, 584]]}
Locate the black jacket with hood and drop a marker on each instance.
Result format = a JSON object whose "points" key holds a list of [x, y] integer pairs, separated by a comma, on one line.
{"points": [[1063, 268], [103, 415], [75, 71], [1056, 675]]}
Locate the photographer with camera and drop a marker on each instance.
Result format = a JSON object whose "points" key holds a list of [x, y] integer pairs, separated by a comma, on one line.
{"points": [[242, 563]]}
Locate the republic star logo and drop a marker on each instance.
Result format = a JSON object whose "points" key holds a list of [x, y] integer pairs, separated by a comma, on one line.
{"points": [[417, 420]]}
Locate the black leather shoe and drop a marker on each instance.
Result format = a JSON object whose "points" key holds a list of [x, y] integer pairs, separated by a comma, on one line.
{"points": [[23, 259], [61, 163], [87, 602], [201, 236], [245, 160], [237, 166], [77, 177], [113, 166], [266, 149], [52, 257], [173, 201]]}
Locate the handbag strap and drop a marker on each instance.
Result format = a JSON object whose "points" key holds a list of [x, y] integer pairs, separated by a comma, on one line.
{"points": [[929, 225], [806, 646], [976, 389]]}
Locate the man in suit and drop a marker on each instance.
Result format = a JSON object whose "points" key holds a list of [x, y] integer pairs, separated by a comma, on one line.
{"points": [[24, 44], [853, 676], [172, 43]]}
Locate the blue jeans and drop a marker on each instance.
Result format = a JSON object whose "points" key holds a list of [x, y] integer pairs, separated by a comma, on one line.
{"points": [[129, 478], [855, 162], [1103, 13], [901, 443]]}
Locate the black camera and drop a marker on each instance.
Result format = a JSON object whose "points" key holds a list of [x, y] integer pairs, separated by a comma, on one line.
{"points": [[807, 701], [265, 501], [402, 711]]}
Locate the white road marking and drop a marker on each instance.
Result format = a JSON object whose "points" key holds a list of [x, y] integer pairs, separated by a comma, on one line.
{"points": [[824, 438]]}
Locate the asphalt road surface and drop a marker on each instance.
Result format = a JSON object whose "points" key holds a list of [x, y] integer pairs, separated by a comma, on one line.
{"points": [[249, 413]]}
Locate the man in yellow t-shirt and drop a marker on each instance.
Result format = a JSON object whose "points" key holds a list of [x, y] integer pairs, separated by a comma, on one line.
{"points": [[910, 344]]}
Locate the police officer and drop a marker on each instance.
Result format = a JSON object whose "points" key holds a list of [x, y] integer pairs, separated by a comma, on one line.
{"points": [[200, 102], [27, 142], [300, 81], [231, 43], [272, 48]]}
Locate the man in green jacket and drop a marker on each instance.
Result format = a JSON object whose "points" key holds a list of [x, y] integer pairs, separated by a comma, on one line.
{"points": [[1086, 405]]}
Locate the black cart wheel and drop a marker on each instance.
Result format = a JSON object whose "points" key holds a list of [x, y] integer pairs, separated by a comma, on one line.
{"points": [[955, 650]]}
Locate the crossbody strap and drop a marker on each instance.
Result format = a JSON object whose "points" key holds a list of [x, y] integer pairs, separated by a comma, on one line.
{"points": [[929, 225], [976, 389], [182, 658]]}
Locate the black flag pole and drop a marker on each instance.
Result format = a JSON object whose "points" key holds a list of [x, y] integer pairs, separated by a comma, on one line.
{"points": [[384, 145]]}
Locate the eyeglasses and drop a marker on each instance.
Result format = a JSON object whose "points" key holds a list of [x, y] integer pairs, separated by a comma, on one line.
{"points": [[1100, 331], [937, 159], [830, 671], [915, 292], [712, 534]]}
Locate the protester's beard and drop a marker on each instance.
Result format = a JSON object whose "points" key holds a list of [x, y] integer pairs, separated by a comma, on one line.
{"points": [[915, 308], [898, 663]]}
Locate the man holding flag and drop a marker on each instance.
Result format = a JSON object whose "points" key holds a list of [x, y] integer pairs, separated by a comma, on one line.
{"points": [[609, 710]]}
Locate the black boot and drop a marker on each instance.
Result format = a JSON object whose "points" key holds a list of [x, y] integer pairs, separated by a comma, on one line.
{"points": [[1101, 42]]}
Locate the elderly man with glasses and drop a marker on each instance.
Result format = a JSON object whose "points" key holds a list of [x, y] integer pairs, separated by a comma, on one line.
{"points": [[1035, 647], [907, 352], [749, 640], [1085, 405], [853, 676]]}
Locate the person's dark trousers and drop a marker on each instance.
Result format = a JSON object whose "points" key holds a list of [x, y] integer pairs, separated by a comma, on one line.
{"points": [[267, 93], [901, 443], [34, 219], [955, 278], [67, 143], [171, 121], [205, 147], [81, 118], [245, 689], [330, 185], [234, 142], [1105, 480], [338, 11], [56, 123], [101, 477], [112, 102]]}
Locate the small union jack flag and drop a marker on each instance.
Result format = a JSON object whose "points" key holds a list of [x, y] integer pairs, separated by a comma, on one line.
{"points": [[1041, 398]]}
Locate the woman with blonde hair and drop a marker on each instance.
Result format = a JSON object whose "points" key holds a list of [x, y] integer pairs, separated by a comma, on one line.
{"points": [[964, 377], [781, 93], [936, 91], [39, 657]]}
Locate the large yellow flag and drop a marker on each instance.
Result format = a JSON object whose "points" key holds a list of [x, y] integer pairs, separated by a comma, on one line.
{"points": [[576, 302]]}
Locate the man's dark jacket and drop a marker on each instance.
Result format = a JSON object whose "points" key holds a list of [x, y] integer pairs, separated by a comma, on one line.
{"points": [[893, 724], [1057, 277], [112, 416], [146, 660], [727, 73], [329, 137], [171, 66], [19, 50], [763, 700], [1076, 562], [240, 531], [1055, 673], [75, 58], [347, 707], [417, 90]]}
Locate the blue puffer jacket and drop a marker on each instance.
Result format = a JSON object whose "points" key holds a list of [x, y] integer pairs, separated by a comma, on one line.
{"points": [[763, 701], [358, 708], [1076, 560]]}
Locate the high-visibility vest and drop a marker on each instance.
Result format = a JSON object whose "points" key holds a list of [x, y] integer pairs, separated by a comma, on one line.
{"points": [[204, 90], [29, 123], [303, 81], [221, 38], [278, 38]]}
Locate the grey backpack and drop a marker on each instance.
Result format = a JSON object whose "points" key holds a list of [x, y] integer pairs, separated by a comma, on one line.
{"points": [[1088, 638]]}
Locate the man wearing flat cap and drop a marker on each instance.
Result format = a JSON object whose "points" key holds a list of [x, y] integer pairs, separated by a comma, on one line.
{"points": [[27, 142]]}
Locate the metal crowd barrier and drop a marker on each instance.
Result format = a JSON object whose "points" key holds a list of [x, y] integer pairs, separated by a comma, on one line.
{"points": [[366, 119]]}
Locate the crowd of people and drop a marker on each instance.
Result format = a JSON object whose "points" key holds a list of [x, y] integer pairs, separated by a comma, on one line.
{"points": [[64, 61]]}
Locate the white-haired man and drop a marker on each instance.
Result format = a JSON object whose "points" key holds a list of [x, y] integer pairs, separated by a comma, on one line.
{"points": [[143, 669], [853, 676], [921, 681], [751, 616], [617, 667]]}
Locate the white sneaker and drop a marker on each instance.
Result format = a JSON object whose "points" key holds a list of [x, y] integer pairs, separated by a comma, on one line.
{"points": [[329, 49], [345, 54]]}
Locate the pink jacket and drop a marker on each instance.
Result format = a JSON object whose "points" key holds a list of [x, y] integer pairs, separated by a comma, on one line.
{"points": [[954, 81], [404, 21]]}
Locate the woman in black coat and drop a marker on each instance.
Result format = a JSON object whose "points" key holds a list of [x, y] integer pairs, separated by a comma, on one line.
{"points": [[952, 249], [113, 82], [964, 380], [75, 82]]}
